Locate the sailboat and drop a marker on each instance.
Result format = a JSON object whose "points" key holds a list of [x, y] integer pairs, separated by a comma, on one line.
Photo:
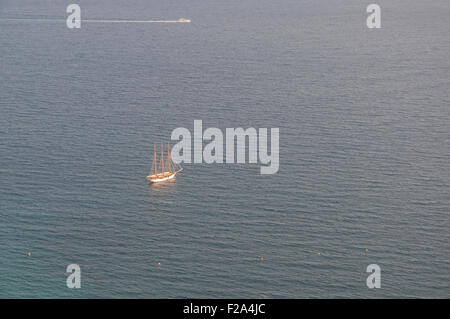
{"points": [[166, 169]]}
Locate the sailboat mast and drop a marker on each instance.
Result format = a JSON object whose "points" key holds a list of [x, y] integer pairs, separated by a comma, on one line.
{"points": [[169, 159], [162, 159], [155, 166]]}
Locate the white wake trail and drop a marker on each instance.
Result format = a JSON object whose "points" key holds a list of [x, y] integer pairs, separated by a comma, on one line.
{"points": [[100, 21]]}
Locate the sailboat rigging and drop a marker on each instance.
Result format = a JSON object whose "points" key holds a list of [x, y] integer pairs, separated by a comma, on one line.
{"points": [[166, 169]]}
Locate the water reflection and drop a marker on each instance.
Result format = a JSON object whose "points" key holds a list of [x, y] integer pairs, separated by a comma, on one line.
{"points": [[163, 192]]}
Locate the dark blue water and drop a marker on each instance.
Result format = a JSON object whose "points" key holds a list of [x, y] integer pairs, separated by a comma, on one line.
{"points": [[364, 122]]}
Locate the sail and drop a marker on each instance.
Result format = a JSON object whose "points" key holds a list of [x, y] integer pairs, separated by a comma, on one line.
{"points": [[166, 168], [169, 158]]}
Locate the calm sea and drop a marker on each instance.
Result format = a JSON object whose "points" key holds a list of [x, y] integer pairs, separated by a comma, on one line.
{"points": [[364, 122]]}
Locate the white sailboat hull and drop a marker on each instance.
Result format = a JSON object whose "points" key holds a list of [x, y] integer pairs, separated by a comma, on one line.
{"points": [[168, 169], [160, 178]]}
